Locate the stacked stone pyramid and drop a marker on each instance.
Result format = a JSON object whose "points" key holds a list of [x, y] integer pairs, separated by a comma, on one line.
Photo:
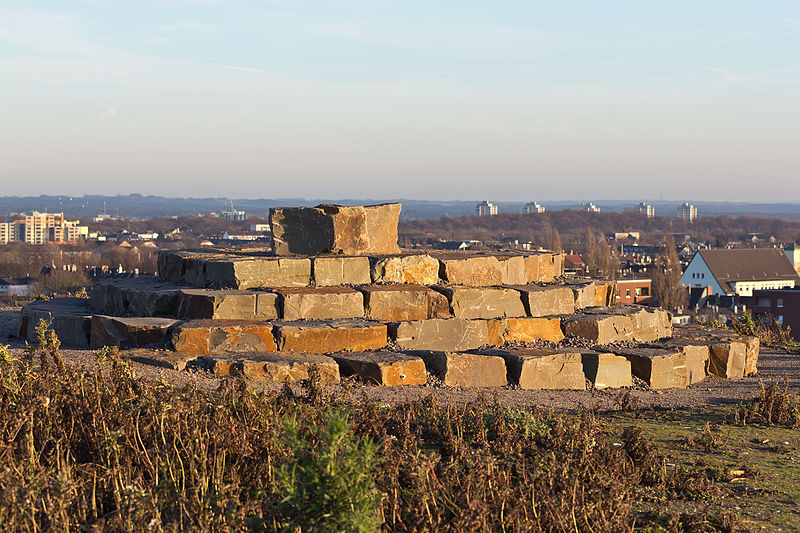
{"points": [[336, 297]]}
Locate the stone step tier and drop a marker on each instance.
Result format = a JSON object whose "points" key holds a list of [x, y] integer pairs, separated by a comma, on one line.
{"points": [[149, 296], [237, 269], [625, 341]]}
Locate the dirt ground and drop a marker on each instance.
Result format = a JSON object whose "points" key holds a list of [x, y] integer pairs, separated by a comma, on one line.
{"points": [[773, 365]]}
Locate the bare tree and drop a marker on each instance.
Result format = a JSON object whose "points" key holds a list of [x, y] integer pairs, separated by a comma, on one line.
{"points": [[666, 278], [552, 239]]}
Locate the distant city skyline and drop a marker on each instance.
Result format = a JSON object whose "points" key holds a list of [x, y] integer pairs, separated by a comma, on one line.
{"points": [[508, 101]]}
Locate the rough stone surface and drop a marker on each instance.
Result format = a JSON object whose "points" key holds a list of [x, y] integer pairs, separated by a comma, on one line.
{"points": [[606, 370], [482, 302], [329, 228], [256, 273], [604, 325], [514, 271], [219, 365], [321, 303], [697, 354], [383, 368], [706, 335], [130, 332], [465, 369], [659, 368], [397, 303], [206, 337], [71, 320], [419, 269], [443, 334], [332, 271], [591, 293], [172, 263], [141, 296], [533, 368], [330, 336], [728, 359], [225, 305], [524, 329], [546, 300], [286, 367], [472, 271]]}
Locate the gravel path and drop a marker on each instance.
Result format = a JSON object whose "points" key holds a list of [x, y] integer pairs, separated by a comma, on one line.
{"points": [[773, 365]]}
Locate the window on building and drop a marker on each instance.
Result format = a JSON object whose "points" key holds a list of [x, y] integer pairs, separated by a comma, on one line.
{"points": [[617, 293], [780, 319], [780, 302], [638, 291], [692, 275], [645, 291], [703, 275], [627, 293]]}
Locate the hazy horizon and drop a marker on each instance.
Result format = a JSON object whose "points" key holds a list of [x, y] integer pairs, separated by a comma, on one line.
{"points": [[513, 101]]}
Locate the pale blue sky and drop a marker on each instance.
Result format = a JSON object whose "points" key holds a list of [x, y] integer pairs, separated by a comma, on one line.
{"points": [[503, 100]]}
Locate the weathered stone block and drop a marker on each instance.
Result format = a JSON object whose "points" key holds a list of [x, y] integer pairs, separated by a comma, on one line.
{"points": [[321, 303], [602, 329], [534, 368], [206, 337], [606, 370], [705, 335], [225, 305], [332, 271], [591, 293], [396, 303], [751, 357], [329, 228], [604, 325], [286, 367], [659, 368], [330, 336], [546, 300], [524, 329], [472, 271], [419, 269], [142, 296], [465, 369], [514, 270], [383, 368], [219, 365], [172, 263], [170, 360], [728, 359], [257, 273], [482, 302], [130, 332], [71, 320], [444, 334]]}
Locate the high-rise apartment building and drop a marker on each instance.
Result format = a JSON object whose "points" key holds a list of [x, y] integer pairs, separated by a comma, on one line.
{"points": [[486, 209], [41, 228], [534, 207], [646, 209], [687, 212]]}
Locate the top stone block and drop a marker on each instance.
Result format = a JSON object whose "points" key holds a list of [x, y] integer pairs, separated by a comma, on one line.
{"points": [[335, 229]]}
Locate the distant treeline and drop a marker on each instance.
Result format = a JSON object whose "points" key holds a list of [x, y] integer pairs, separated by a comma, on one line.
{"points": [[572, 225]]}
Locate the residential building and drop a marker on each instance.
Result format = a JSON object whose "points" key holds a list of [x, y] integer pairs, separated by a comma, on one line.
{"points": [[634, 291], [259, 227], [781, 304], [793, 253], [687, 212], [486, 209], [533, 207], [41, 228], [590, 207], [16, 286], [624, 235], [234, 214], [738, 272], [648, 210]]}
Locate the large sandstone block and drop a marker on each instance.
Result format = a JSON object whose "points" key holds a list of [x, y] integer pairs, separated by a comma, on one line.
{"points": [[337, 229], [227, 305], [330, 336], [257, 273], [419, 269], [524, 329], [697, 353], [465, 369], [161, 359], [546, 300], [397, 303], [514, 271], [130, 332], [482, 302], [728, 359], [172, 263], [606, 370], [70, 318], [141, 296], [472, 271], [601, 329], [659, 368], [321, 303], [604, 325], [332, 271], [286, 367], [206, 337], [534, 368], [383, 368], [591, 293], [706, 335], [443, 334]]}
